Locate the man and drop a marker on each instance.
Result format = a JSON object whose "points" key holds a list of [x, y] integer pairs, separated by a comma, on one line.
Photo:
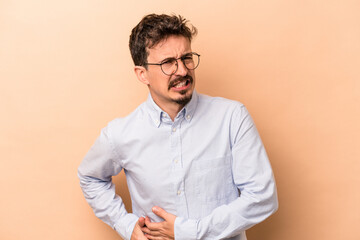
{"points": [[195, 165]]}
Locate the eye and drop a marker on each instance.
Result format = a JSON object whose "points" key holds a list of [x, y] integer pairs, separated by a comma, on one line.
{"points": [[169, 61], [187, 58]]}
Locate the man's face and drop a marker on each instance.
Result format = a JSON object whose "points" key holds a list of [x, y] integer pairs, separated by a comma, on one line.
{"points": [[174, 89]]}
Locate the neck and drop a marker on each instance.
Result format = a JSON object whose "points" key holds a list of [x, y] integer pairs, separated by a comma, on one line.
{"points": [[171, 109]]}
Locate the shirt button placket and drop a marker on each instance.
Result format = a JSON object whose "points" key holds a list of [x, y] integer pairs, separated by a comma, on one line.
{"points": [[177, 169]]}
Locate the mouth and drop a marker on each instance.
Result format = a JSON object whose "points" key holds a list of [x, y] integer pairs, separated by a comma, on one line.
{"points": [[181, 84]]}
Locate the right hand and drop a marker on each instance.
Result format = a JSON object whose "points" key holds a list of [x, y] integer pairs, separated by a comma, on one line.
{"points": [[137, 234]]}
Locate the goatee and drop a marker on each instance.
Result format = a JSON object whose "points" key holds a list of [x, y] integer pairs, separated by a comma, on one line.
{"points": [[184, 99]]}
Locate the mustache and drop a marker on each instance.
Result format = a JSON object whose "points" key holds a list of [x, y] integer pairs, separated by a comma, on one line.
{"points": [[180, 79]]}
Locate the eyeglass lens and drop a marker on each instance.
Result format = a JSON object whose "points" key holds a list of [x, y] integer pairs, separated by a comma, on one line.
{"points": [[170, 66]]}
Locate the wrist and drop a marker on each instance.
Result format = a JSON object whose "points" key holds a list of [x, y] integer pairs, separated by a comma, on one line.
{"points": [[125, 226]]}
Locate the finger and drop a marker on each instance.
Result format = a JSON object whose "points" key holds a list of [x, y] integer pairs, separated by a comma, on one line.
{"points": [[160, 212], [147, 220], [145, 230], [141, 221], [152, 237], [148, 232], [154, 226]]}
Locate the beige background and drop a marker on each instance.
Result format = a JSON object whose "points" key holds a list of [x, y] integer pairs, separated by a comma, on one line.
{"points": [[65, 71]]}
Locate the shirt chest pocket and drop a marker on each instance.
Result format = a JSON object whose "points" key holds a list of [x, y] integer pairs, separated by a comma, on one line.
{"points": [[214, 180]]}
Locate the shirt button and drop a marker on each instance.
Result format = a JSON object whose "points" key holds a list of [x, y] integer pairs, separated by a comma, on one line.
{"points": [[176, 160], [174, 130], [188, 117], [178, 192]]}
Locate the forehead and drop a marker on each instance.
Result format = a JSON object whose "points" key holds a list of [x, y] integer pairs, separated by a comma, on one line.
{"points": [[172, 46]]}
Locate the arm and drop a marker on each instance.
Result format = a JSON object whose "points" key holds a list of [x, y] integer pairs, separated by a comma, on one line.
{"points": [[252, 175], [95, 173]]}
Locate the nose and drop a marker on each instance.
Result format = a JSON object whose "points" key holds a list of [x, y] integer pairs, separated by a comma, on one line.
{"points": [[182, 70]]}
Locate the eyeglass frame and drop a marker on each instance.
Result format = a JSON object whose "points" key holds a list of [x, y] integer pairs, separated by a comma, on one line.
{"points": [[177, 64]]}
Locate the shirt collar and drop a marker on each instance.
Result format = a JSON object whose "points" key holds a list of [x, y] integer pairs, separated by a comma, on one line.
{"points": [[157, 114]]}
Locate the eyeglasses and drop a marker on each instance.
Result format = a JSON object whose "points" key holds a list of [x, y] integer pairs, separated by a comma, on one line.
{"points": [[169, 66]]}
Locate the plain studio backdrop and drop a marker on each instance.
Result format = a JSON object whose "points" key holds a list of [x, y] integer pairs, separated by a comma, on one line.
{"points": [[66, 70]]}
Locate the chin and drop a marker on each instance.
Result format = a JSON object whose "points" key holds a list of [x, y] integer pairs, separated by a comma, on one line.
{"points": [[184, 99]]}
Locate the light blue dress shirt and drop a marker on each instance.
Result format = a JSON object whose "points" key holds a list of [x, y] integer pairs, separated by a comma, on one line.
{"points": [[208, 167]]}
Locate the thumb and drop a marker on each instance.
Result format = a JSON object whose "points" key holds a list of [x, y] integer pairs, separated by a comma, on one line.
{"points": [[141, 221], [160, 212]]}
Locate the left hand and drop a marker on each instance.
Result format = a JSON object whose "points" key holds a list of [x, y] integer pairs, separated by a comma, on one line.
{"points": [[161, 230], [137, 234]]}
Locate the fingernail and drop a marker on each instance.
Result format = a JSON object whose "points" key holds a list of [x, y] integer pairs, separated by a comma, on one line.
{"points": [[154, 209]]}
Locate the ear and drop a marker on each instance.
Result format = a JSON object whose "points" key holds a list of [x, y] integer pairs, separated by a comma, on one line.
{"points": [[141, 74]]}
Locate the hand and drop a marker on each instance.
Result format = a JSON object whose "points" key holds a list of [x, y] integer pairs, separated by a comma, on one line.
{"points": [[160, 230], [137, 234]]}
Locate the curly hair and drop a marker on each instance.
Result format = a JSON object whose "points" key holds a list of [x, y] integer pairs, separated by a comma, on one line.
{"points": [[154, 28]]}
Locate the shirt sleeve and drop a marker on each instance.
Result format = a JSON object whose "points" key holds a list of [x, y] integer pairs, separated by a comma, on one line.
{"points": [[95, 174], [254, 178]]}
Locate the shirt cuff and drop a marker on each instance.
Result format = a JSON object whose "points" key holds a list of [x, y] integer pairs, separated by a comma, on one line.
{"points": [[185, 229], [126, 225]]}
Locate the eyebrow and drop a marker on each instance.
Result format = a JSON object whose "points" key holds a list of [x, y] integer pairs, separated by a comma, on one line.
{"points": [[168, 58]]}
